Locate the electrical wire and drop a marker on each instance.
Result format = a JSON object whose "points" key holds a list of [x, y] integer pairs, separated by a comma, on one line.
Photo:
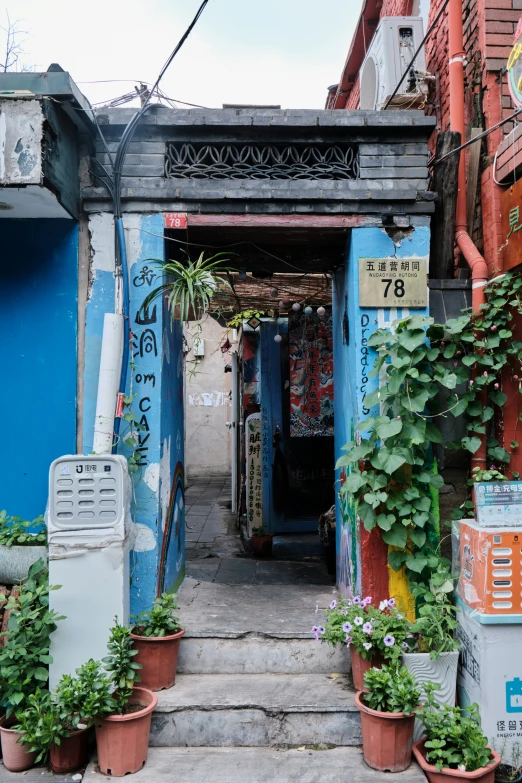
{"points": [[433, 162], [407, 69]]}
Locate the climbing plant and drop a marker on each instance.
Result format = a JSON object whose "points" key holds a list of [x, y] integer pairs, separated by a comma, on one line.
{"points": [[391, 467]]}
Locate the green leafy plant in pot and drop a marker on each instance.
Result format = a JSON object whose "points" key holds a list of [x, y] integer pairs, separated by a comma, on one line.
{"points": [[387, 717], [22, 543], [510, 768], [122, 733], [454, 745], [374, 635], [261, 542], [156, 635], [433, 653], [25, 659]]}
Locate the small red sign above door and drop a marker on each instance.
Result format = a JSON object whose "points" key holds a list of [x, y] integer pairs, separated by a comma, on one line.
{"points": [[175, 219]]}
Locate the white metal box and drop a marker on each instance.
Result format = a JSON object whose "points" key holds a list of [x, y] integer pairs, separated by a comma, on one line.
{"points": [[393, 46]]}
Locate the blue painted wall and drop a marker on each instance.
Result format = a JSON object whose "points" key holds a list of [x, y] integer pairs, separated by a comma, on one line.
{"points": [[38, 320], [353, 361], [156, 387]]}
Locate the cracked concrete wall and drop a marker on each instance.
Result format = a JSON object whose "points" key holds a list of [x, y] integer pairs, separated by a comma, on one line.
{"points": [[21, 130], [207, 402]]}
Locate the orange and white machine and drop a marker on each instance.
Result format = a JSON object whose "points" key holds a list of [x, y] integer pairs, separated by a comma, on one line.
{"points": [[490, 580]]}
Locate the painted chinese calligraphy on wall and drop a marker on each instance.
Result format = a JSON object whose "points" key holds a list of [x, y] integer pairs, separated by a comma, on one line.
{"points": [[311, 375], [253, 448]]}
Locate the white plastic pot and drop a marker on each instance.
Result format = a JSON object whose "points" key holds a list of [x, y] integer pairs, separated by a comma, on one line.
{"points": [[15, 562], [443, 671]]}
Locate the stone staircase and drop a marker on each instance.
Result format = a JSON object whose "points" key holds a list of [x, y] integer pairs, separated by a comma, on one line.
{"points": [[256, 698]]}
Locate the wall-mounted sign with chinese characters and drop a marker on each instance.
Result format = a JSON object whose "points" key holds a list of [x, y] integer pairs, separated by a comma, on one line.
{"points": [[511, 209], [254, 465], [393, 282], [514, 67], [499, 504]]}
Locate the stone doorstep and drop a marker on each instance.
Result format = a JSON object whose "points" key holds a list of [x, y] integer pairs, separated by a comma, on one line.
{"points": [[255, 653], [258, 765], [221, 710]]}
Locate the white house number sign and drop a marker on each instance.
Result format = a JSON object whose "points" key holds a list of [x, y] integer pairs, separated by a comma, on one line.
{"points": [[393, 282]]}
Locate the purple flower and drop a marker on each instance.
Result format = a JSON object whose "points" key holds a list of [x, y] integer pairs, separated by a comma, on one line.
{"points": [[389, 640], [368, 600], [343, 611], [358, 620], [367, 628], [348, 602], [321, 629], [333, 604], [405, 646], [315, 631], [348, 640], [391, 602], [347, 627], [356, 600]]}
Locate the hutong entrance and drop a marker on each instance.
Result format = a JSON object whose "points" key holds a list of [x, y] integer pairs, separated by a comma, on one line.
{"points": [[309, 197]]}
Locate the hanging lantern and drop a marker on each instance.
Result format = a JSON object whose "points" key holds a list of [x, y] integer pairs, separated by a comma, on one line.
{"points": [[278, 338], [281, 304], [274, 292], [281, 321], [321, 312], [296, 306], [308, 310]]}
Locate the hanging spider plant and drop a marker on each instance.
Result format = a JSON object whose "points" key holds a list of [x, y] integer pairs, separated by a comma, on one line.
{"points": [[189, 286]]}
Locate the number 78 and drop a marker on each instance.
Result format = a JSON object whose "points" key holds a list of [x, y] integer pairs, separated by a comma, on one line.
{"points": [[398, 288]]}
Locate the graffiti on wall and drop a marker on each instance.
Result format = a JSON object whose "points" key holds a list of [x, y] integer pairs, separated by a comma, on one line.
{"points": [[311, 375], [253, 449], [250, 369], [171, 557], [349, 570]]}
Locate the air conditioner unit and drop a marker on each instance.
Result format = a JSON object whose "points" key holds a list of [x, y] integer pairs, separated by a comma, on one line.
{"points": [[396, 40]]}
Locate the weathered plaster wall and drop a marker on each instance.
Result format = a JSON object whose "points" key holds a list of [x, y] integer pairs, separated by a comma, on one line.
{"points": [[362, 556], [38, 285], [156, 386], [207, 394], [21, 129]]}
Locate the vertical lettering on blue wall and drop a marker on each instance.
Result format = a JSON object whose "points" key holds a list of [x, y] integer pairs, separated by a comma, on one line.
{"points": [[363, 359]]}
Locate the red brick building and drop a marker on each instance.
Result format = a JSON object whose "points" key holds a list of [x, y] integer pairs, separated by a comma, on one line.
{"points": [[488, 29]]}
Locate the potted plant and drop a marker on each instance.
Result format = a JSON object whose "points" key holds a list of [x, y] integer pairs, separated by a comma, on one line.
{"points": [[510, 768], [122, 733], [454, 745], [261, 542], [24, 659], [433, 653], [22, 543], [387, 717], [374, 634], [156, 636]]}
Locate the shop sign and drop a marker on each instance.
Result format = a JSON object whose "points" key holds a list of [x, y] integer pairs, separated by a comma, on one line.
{"points": [[511, 209], [254, 461], [514, 67], [393, 282]]}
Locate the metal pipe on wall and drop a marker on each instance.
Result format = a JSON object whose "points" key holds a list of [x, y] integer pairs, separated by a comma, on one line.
{"points": [[234, 430], [475, 260], [108, 382]]}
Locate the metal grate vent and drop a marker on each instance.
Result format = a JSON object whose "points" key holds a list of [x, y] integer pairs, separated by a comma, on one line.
{"points": [[254, 161]]}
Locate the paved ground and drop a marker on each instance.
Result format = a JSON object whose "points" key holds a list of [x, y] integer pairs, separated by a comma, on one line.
{"points": [[215, 552]]}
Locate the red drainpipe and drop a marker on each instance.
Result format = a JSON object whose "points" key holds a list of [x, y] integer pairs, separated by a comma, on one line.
{"points": [[476, 262]]}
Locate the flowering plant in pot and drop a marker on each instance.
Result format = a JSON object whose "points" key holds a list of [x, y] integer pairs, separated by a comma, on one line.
{"points": [[122, 733], [156, 635], [454, 745], [373, 634], [261, 542], [387, 717], [433, 653]]}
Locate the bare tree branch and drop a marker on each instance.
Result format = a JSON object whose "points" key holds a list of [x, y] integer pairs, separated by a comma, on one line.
{"points": [[13, 47]]}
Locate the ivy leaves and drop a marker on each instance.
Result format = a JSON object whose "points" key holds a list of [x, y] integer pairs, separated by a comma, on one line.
{"points": [[389, 470]]}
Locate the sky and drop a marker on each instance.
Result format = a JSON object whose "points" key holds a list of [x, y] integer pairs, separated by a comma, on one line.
{"points": [[283, 52]]}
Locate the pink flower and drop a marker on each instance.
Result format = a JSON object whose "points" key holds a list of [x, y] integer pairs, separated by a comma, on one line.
{"points": [[443, 343], [493, 328], [455, 364], [459, 353], [515, 377], [485, 374], [398, 417], [471, 382], [495, 385]]}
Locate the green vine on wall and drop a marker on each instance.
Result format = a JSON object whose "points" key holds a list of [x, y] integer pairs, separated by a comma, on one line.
{"points": [[390, 471]]}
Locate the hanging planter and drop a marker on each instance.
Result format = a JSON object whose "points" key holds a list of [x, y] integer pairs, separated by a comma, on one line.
{"points": [[445, 775]]}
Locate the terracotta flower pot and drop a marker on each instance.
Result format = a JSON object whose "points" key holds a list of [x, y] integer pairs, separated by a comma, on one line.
{"points": [[262, 546], [387, 737], [123, 740], [72, 752], [16, 757], [159, 657], [360, 666], [483, 775]]}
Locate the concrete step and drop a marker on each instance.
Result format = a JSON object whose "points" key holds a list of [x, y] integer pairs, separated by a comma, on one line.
{"points": [[242, 710], [258, 765], [256, 653]]}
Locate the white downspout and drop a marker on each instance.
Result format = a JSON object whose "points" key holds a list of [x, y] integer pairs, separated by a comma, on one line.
{"points": [[108, 382]]}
